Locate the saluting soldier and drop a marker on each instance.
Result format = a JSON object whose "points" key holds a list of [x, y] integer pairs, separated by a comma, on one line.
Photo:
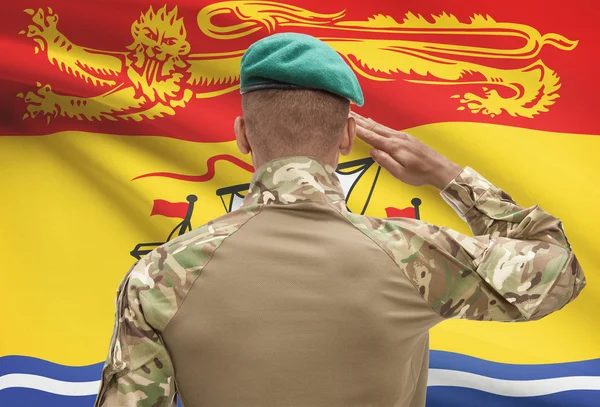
{"points": [[292, 300]]}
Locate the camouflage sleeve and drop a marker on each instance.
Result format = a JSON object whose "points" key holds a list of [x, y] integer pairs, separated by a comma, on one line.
{"points": [[490, 211], [138, 371], [519, 265]]}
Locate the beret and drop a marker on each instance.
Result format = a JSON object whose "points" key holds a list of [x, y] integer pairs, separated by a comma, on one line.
{"points": [[297, 61]]}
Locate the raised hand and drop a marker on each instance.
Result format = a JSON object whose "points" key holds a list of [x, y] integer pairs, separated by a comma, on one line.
{"points": [[405, 157]]}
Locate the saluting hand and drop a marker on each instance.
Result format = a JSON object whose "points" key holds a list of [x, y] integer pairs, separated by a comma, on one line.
{"points": [[406, 158]]}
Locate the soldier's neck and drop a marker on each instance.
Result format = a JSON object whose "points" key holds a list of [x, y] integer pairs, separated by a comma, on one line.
{"points": [[331, 158]]}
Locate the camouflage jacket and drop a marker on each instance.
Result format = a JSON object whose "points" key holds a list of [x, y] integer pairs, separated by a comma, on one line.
{"points": [[518, 267]]}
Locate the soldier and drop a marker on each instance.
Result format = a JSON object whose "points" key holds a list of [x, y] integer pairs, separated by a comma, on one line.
{"points": [[294, 301]]}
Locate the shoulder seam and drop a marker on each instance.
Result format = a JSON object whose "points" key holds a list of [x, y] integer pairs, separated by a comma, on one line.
{"points": [[393, 260], [260, 207]]}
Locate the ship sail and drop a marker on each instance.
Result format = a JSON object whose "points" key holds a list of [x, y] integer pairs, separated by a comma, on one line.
{"points": [[349, 174], [232, 196]]}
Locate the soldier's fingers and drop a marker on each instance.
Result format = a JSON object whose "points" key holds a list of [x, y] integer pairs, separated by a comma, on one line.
{"points": [[388, 162], [357, 116], [376, 127], [374, 139], [363, 122]]}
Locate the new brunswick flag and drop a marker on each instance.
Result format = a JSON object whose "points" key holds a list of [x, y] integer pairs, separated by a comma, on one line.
{"points": [[116, 136]]}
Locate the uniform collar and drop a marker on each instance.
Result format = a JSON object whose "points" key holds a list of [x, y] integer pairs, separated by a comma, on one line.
{"points": [[295, 179]]}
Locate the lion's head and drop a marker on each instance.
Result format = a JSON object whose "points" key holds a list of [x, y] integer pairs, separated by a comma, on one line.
{"points": [[159, 43]]}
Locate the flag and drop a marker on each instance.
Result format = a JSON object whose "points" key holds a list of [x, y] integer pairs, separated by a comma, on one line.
{"points": [[170, 209], [410, 212], [110, 117], [392, 212]]}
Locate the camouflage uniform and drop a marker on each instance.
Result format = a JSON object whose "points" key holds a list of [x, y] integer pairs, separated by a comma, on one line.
{"points": [[293, 300]]}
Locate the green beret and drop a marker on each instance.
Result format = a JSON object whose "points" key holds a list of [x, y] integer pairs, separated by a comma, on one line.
{"points": [[297, 61]]}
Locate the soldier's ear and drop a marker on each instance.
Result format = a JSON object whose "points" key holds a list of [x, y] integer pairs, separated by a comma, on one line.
{"points": [[239, 127], [347, 140]]}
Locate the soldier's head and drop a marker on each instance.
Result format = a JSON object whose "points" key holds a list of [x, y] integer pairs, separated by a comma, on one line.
{"points": [[296, 94], [282, 123]]}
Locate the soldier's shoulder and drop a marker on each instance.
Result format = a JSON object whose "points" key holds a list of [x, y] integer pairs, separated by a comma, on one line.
{"points": [[403, 238], [208, 233], [386, 228], [164, 276], [199, 238]]}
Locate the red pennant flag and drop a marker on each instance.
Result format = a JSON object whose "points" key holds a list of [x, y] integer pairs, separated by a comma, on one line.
{"points": [[409, 212], [169, 209]]}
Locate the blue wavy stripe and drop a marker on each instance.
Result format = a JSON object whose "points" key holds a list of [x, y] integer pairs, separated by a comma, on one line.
{"points": [[35, 398], [40, 367], [438, 359], [463, 397], [456, 361], [440, 396], [436, 397]]}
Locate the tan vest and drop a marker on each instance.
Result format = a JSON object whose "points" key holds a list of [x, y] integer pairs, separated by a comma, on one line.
{"points": [[299, 308]]}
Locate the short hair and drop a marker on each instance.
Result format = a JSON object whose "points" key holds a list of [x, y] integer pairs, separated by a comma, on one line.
{"points": [[286, 122]]}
